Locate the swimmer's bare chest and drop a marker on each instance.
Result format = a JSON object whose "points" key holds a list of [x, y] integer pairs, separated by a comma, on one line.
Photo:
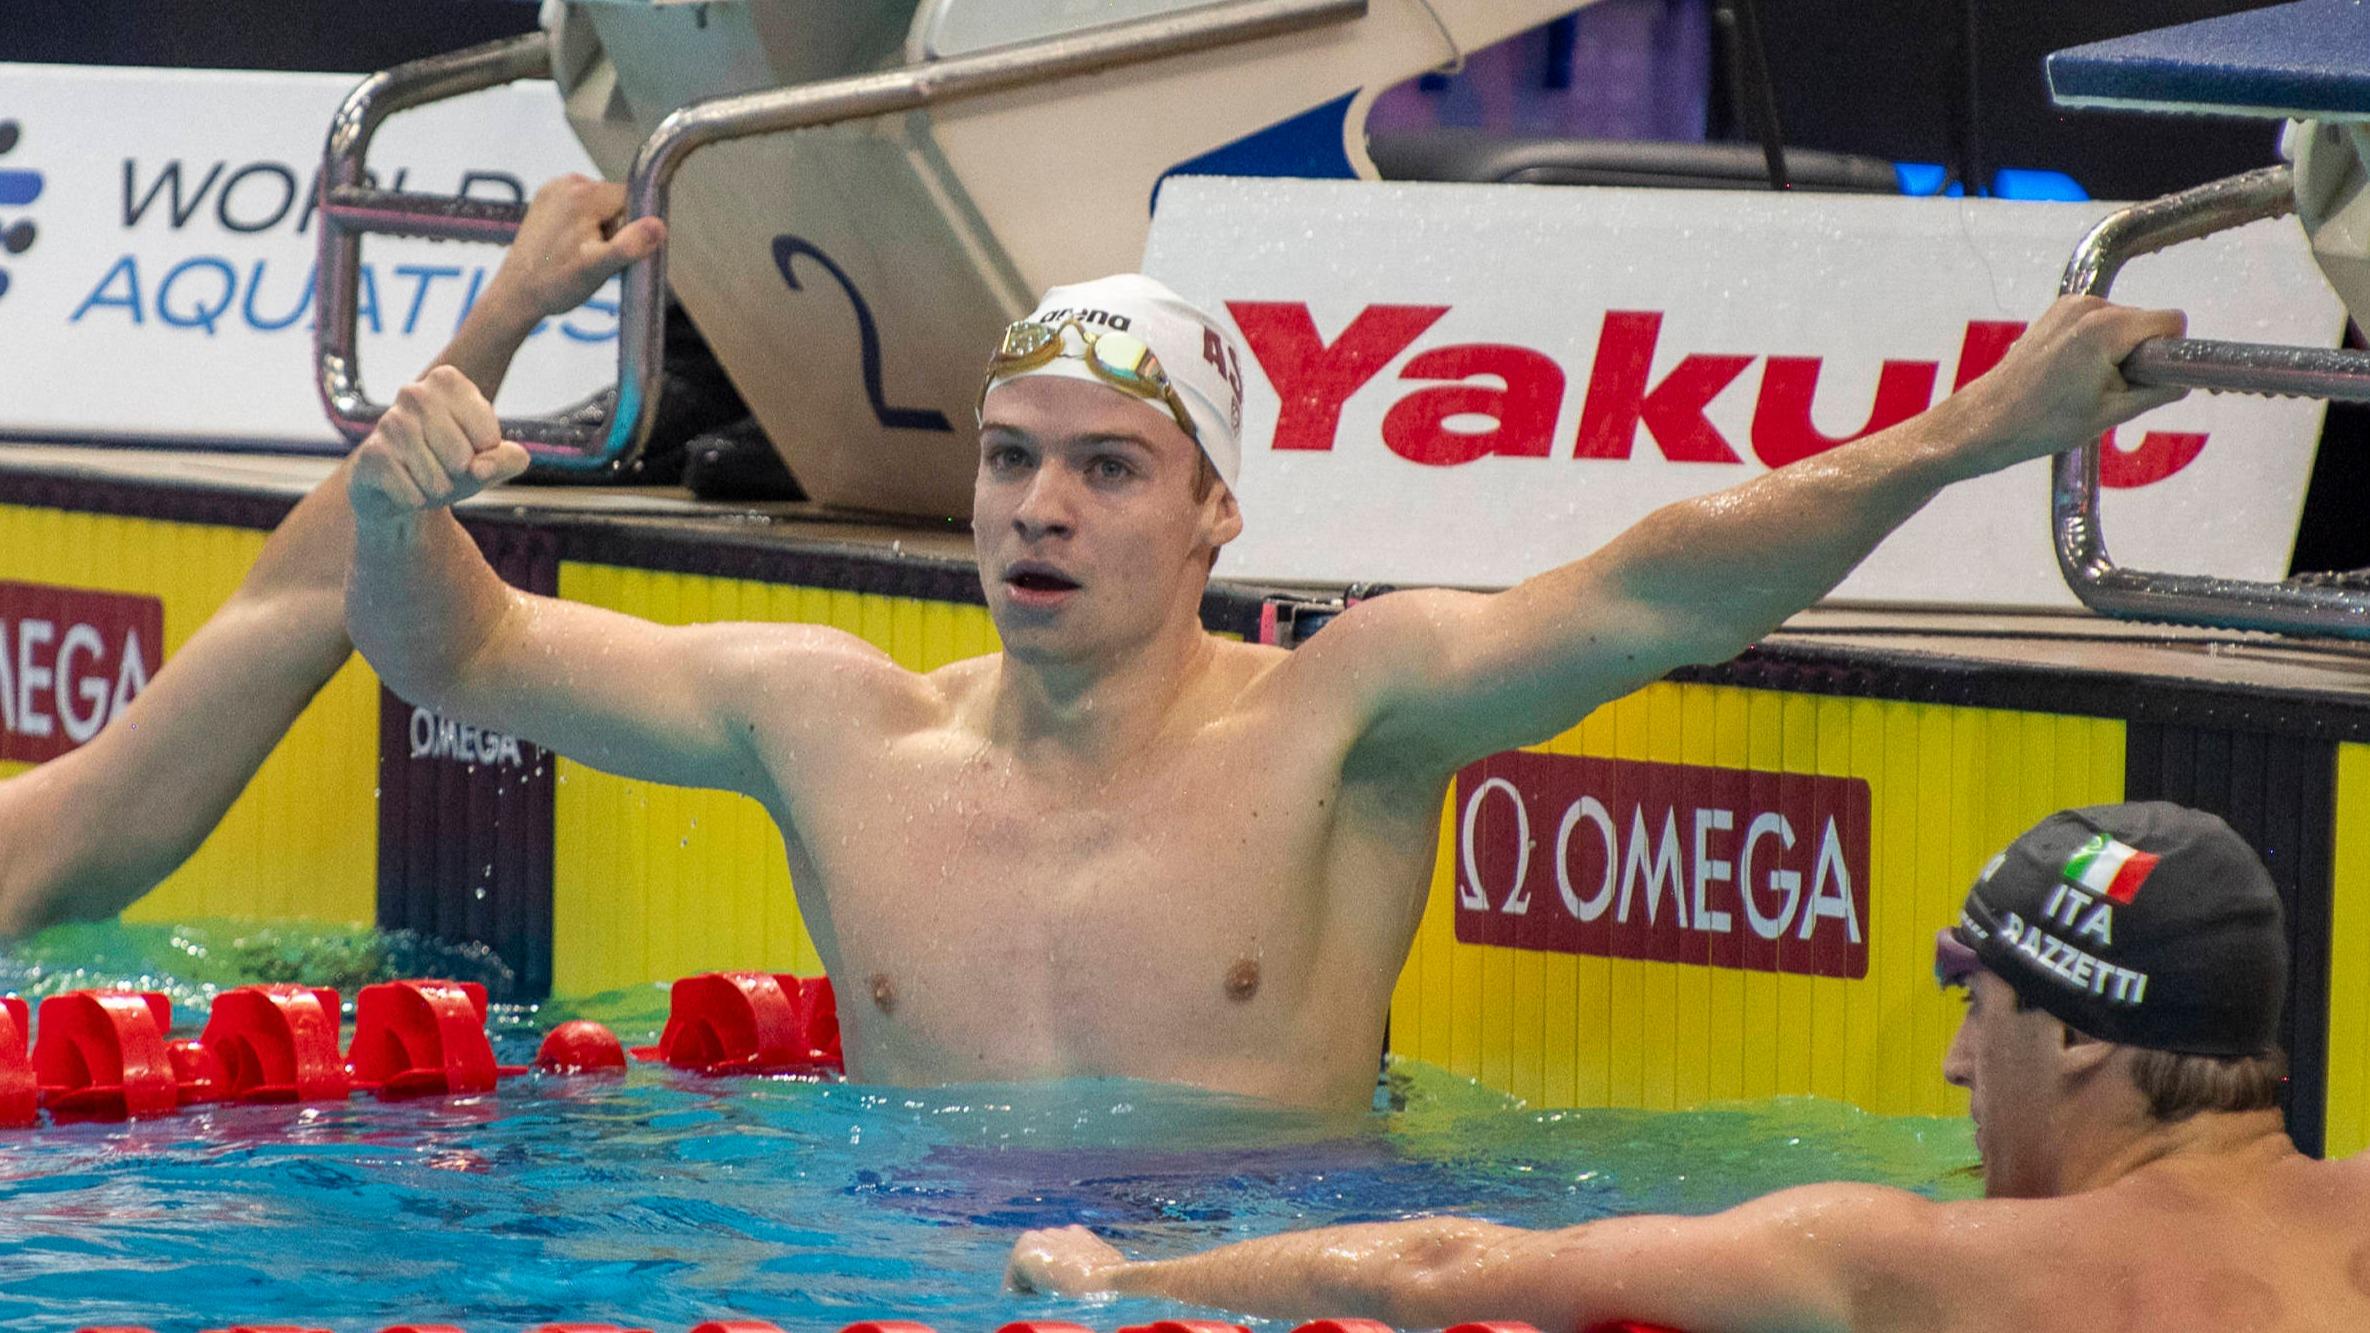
{"points": [[1205, 912]]}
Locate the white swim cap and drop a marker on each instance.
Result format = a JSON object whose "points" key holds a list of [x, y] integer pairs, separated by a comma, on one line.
{"points": [[1200, 357]]}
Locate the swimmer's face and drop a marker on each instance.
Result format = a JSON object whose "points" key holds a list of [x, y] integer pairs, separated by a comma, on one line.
{"points": [[1090, 537], [2009, 1063]]}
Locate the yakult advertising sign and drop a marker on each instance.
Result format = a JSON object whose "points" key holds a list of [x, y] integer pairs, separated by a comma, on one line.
{"points": [[1467, 384], [157, 232]]}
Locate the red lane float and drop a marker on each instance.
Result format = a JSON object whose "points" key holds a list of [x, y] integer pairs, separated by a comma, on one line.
{"points": [[103, 1055], [913, 1327], [581, 1046], [20, 1091], [276, 1044], [424, 1039], [106, 1054], [1520, 1327], [750, 1023]]}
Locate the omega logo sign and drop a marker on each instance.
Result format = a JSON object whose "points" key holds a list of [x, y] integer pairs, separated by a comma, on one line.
{"points": [[1725, 867], [71, 660]]}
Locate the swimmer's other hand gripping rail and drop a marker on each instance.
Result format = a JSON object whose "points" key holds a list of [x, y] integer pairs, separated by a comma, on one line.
{"points": [[592, 443], [2313, 372]]}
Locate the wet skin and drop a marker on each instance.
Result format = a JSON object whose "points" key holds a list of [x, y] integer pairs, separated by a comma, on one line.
{"points": [[1108, 858], [2101, 1219], [1122, 845]]}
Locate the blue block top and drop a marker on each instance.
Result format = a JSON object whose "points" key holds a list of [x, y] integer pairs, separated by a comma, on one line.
{"points": [[2307, 59]]}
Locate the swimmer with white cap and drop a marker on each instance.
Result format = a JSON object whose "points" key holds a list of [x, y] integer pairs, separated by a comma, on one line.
{"points": [[1121, 845], [2125, 967]]}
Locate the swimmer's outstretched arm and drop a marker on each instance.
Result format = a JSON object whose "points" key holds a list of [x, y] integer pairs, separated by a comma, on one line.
{"points": [[1819, 1257], [86, 834], [1443, 678], [666, 704]]}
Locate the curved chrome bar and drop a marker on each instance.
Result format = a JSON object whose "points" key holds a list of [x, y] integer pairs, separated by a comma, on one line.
{"points": [[350, 209], [2197, 599], [564, 446]]}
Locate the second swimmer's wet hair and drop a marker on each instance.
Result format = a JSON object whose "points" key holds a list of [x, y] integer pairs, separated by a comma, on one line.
{"points": [[2178, 1086]]}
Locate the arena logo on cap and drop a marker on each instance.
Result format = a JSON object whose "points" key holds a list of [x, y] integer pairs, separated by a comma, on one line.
{"points": [[2109, 868]]}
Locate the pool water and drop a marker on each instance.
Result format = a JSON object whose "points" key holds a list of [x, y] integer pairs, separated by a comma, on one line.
{"points": [[662, 1199]]}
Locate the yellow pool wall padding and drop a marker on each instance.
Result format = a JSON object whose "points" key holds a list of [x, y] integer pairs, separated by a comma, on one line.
{"points": [[652, 882], [2348, 1126], [655, 882], [302, 843]]}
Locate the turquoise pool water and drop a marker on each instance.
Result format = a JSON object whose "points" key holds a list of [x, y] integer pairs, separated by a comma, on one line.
{"points": [[663, 1199]]}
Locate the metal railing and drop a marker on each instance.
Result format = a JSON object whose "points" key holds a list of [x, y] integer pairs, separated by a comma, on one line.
{"points": [[2228, 367], [595, 442]]}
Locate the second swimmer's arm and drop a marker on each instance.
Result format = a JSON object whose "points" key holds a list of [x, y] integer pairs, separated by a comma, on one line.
{"points": [[1800, 1259]]}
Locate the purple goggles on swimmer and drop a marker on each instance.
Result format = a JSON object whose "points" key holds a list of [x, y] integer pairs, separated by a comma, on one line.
{"points": [[1954, 962]]}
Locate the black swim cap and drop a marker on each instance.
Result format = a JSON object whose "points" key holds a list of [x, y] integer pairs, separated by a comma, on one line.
{"points": [[2145, 924]]}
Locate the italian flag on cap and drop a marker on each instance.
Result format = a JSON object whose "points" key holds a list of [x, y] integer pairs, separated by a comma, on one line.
{"points": [[2112, 869]]}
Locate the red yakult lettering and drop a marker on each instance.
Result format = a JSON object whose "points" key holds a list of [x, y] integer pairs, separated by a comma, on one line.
{"points": [[1313, 379], [71, 660], [1672, 412], [1782, 432], [1417, 429]]}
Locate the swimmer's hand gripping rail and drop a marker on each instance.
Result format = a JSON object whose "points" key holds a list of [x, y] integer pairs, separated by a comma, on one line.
{"points": [[589, 442], [2197, 599]]}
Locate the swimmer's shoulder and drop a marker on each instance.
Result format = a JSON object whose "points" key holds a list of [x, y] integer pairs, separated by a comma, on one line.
{"points": [[838, 678], [1242, 677]]}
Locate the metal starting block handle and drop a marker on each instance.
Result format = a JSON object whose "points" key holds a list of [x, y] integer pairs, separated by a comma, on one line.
{"points": [[586, 439], [2227, 367], [591, 441]]}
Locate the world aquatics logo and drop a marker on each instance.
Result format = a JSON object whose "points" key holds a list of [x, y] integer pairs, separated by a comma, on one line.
{"points": [[17, 190]]}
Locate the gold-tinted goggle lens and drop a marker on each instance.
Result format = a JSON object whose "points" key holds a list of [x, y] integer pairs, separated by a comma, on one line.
{"points": [[1120, 359]]}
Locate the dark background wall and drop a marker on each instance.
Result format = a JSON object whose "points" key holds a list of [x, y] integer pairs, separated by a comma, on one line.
{"points": [[1891, 79], [348, 35]]}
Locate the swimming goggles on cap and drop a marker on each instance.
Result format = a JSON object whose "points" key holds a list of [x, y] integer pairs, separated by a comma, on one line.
{"points": [[1954, 962], [1120, 360]]}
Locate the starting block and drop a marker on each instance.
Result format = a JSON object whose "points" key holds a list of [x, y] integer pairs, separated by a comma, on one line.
{"points": [[2308, 61]]}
